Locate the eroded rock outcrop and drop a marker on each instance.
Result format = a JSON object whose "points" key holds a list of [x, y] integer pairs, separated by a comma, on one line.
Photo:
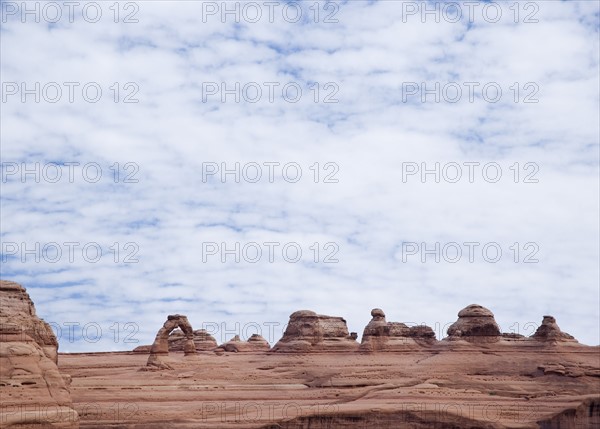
{"points": [[546, 386], [34, 393], [550, 332], [475, 324], [308, 331], [18, 315], [381, 335], [160, 347], [255, 343], [203, 341]]}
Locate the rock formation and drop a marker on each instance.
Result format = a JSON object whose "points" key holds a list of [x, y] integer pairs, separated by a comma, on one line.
{"points": [[380, 335], [177, 340], [255, 343], [160, 347], [549, 331], [33, 391], [203, 341], [512, 382], [308, 331], [18, 315], [475, 324]]}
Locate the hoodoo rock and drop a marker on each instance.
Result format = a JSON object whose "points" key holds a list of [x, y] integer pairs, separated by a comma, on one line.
{"points": [[380, 335], [475, 323], [30, 382], [549, 331], [255, 343], [160, 347], [308, 331], [378, 326]]}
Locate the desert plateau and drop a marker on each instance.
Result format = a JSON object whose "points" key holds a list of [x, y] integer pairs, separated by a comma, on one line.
{"points": [[317, 376]]}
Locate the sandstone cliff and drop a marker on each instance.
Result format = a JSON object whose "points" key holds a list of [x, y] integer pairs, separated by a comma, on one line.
{"points": [[33, 391]]}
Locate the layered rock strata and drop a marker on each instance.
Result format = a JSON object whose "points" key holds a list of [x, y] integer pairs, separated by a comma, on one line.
{"points": [[34, 393]]}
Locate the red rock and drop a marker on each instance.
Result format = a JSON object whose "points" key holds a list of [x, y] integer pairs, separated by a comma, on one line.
{"points": [[160, 347], [549, 331], [308, 331], [177, 340], [34, 393], [18, 313], [255, 343], [203, 341], [380, 335], [513, 382], [475, 324]]}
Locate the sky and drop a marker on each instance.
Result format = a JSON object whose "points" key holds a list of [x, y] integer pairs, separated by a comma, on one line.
{"points": [[239, 161]]}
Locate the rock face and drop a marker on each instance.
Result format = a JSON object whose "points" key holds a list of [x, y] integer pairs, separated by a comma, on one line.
{"points": [[33, 391], [160, 347], [255, 343], [409, 419], [549, 331], [475, 324], [586, 415], [380, 335], [18, 314], [308, 331]]}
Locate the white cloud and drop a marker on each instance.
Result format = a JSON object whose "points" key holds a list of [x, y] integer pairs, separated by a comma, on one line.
{"points": [[367, 58]]}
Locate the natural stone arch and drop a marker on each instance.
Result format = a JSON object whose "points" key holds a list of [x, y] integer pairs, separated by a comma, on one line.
{"points": [[160, 347]]}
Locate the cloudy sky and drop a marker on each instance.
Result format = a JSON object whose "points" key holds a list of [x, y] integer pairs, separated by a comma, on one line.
{"points": [[239, 161]]}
